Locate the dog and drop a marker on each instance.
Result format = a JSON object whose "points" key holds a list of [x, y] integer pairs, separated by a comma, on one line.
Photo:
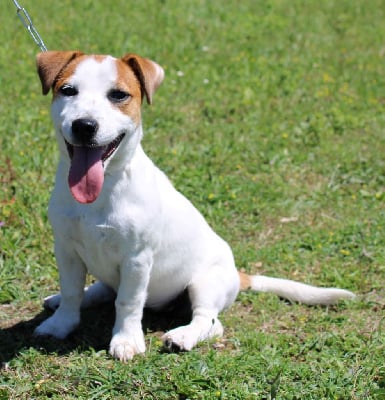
{"points": [[116, 216]]}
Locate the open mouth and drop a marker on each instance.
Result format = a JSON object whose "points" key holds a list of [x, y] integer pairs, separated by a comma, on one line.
{"points": [[86, 173], [108, 149]]}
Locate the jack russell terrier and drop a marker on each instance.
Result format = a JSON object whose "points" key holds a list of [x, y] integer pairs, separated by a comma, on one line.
{"points": [[116, 216]]}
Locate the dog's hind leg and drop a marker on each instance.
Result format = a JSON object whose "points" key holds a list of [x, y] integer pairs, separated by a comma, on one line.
{"points": [[97, 294], [213, 291], [94, 295], [202, 327]]}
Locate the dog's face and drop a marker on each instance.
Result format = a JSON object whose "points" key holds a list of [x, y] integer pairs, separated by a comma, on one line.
{"points": [[96, 111]]}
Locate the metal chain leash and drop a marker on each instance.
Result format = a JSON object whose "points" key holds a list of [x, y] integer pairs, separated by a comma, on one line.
{"points": [[27, 22]]}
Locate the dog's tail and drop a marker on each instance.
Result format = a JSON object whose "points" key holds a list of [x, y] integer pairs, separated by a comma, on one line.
{"points": [[294, 291]]}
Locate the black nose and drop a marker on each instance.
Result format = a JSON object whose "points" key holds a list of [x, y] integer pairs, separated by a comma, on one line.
{"points": [[84, 130]]}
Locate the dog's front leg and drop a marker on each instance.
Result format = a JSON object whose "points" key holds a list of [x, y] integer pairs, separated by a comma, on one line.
{"points": [[127, 335], [72, 280]]}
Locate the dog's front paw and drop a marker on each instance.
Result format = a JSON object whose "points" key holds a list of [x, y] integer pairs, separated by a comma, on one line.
{"points": [[124, 347], [57, 327]]}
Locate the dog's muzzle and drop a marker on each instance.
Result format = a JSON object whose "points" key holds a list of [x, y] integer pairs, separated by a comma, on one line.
{"points": [[86, 174]]}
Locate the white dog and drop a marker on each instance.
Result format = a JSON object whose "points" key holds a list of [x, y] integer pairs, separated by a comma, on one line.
{"points": [[116, 216]]}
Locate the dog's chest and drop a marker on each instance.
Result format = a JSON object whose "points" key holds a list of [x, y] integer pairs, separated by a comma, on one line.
{"points": [[98, 243]]}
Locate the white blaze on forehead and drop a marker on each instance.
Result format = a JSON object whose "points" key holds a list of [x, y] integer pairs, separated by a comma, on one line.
{"points": [[93, 78], [95, 75]]}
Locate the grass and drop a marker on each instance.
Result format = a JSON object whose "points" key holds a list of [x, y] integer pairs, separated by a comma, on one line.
{"points": [[271, 120]]}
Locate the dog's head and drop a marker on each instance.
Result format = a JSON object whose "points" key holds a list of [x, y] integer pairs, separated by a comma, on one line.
{"points": [[96, 111]]}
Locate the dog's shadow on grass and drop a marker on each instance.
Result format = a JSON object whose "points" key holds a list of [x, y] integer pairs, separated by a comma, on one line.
{"points": [[94, 330]]}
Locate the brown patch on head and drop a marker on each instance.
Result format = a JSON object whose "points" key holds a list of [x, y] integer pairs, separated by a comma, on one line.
{"points": [[137, 76], [245, 281], [65, 74], [69, 68], [149, 74], [50, 66], [129, 83]]}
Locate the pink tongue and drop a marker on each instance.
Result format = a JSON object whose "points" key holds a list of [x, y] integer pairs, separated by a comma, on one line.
{"points": [[86, 174]]}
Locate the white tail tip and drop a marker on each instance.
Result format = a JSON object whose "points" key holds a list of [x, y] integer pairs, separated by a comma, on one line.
{"points": [[299, 292]]}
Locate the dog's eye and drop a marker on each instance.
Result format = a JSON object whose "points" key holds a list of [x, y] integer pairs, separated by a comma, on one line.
{"points": [[68, 90], [117, 96]]}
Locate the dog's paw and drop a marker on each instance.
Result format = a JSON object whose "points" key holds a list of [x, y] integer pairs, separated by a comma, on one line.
{"points": [[184, 338], [57, 327], [52, 302], [125, 347]]}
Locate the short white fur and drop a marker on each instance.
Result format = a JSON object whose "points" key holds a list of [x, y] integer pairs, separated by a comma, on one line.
{"points": [[141, 238]]}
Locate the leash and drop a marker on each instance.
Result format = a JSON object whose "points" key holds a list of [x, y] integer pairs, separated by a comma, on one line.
{"points": [[27, 22]]}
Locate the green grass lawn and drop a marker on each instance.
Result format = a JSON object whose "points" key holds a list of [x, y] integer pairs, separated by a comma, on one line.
{"points": [[271, 119]]}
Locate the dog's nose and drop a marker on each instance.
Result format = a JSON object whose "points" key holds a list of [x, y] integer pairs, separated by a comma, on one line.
{"points": [[84, 129]]}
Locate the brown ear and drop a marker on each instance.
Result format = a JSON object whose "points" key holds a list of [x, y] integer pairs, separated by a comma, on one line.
{"points": [[50, 63], [149, 74]]}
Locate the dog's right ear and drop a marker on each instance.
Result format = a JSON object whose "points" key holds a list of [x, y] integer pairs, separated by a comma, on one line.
{"points": [[50, 64]]}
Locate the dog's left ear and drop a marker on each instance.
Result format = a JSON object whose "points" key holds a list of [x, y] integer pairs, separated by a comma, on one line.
{"points": [[50, 64], [149, 74]]}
